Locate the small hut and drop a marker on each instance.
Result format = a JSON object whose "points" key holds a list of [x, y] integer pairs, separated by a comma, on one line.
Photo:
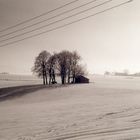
{"points": [[81, 79]]}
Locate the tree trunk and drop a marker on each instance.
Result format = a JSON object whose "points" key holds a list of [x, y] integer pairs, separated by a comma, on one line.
{"points": [[46, 79], [62, 79], [50, 80], [43, 79], [68, 76], [73, 77]]}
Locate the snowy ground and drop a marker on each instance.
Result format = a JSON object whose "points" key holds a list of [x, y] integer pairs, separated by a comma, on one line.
{"points": [[108, 109], [10, 80]]}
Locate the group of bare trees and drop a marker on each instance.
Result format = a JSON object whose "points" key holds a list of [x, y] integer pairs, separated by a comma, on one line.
{"points": [[65, 64]]}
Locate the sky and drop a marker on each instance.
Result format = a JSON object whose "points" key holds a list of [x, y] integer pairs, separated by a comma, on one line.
{"points": [[107, 42]]}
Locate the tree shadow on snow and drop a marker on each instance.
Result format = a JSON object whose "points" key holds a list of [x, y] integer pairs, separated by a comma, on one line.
{"points": [[18, 91]]}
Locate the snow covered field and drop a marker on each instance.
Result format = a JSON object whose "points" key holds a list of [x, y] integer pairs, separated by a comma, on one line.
{"points": [[10, 80], [108, 109]]}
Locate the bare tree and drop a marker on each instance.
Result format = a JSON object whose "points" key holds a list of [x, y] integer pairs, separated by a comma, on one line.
{"points": [[40, 65], [52, 65], [63, 64], [81, 70], [69, 65], [75, 65]]}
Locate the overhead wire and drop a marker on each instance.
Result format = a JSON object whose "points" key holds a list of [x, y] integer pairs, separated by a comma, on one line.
{"points": [[67, 24], [52, 23], [35, 17], [42, 21]]}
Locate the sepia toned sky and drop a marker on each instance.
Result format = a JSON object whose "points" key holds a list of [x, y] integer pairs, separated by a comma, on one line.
{"points": [[109, 41]]}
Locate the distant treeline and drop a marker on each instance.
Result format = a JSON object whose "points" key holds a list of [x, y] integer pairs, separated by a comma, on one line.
{"points": [[125, 73], [65, 64]]}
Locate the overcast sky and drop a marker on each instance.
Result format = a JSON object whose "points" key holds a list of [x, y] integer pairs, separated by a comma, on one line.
{"points": [[109, 41]]}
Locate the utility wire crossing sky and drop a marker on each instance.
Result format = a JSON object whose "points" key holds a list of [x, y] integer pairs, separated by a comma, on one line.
{"points": [[59, 21]]}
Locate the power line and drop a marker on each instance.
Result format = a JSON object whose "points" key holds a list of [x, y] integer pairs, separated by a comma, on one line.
{"points": [[26, 27], [103, 11], [83, 11], [43, 14]]}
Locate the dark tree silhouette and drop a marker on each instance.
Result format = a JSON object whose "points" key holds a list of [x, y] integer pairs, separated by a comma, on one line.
{"points": [[69, 65], [62, 59], [52, 65], [65, 63], [75, 68], [41, 66]]}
